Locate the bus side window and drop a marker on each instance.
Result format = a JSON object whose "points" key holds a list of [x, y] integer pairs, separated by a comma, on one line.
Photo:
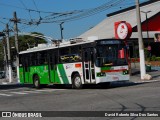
{"points": [[45, 58], [86, 59], [32, 59], [38, 58], [26, 62], [42, 58], [63, 55], [77, 53]]}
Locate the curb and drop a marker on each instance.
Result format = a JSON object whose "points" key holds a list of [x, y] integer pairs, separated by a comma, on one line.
{"points": [[147, 81], [6, 83]]}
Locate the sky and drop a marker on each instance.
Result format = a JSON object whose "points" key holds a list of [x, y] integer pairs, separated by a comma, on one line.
{"points": [[27, 11]]}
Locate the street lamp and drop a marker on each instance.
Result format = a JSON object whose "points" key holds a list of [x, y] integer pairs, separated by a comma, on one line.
{"points": [[146, 12], [61, 28]]}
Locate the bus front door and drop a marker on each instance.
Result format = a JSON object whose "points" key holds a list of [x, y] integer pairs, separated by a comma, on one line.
{"points": [[88, 65]]}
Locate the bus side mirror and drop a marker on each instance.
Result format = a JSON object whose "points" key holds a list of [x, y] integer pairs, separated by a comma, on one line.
{"points": [[121, 53]]}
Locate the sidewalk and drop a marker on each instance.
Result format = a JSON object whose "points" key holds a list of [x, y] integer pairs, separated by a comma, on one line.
{"points": [[135, 76], [5, 81]]}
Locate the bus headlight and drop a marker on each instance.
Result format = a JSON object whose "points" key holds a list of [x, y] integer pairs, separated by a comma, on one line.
{"points": [[101, 74], [125, 72]]}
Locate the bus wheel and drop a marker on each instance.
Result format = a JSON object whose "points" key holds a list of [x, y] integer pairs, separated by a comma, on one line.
{"points": [[76, 82], [36, 82]]}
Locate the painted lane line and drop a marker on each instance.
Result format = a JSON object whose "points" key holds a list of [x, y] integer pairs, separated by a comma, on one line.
{"points": [[31, 91], [46, 90], [20, 93], [5, 94], [15, 89]]}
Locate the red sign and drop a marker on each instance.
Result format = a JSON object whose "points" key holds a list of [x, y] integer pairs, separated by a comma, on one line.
{"points": [[123, 30]]}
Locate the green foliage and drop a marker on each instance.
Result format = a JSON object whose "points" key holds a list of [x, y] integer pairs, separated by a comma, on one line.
{"points": [[153, 58], [23, 40], [146, 53], [31, 41], [148, 59], [157, 58]]}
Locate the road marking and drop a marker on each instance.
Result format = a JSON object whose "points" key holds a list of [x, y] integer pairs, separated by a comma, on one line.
{"points": [[15, 89], [48, 90], [5, 94], [20, 93], [31, 92], [30, 89], [36, 91]]}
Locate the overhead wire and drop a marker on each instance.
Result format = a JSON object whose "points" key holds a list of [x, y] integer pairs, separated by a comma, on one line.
{"points": [[2, 23], [26, 9], [3, 4], [69, 16], [89, 12], [37, 10]]}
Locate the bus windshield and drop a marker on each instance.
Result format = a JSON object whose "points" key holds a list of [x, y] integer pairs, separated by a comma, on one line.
{"points": [[111, 55]]}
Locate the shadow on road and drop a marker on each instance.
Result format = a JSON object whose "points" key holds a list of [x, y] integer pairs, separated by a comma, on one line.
{"points": [[14, 86], [88, 86], [93, 86]]}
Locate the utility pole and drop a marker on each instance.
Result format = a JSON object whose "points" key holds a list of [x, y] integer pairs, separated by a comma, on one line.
{"points": [[146, 22], [9, 54], [15, 20], [5, 57], [5, 54], [140, 41], [61, 28]]}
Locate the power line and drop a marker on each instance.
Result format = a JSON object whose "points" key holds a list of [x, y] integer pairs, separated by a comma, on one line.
{"points": [[88, 13], [3, 4], [37, 9], [35, 5], [9, 24], [26, 9], [68, 16], [2, 23], [23, 4]]}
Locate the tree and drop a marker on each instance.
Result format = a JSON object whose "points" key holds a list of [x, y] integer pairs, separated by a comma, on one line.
{"points": [[25, 41]]}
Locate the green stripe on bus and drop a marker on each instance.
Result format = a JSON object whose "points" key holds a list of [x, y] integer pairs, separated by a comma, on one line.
{"points": [[63, 74]]}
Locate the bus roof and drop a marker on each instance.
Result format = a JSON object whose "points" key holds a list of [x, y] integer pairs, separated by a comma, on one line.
{"points": [[42, 47], [72, 42]]}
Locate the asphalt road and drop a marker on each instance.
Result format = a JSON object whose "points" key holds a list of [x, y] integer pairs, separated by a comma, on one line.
{"points": [[119, 97]]}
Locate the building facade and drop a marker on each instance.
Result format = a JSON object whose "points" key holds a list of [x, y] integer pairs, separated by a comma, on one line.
{"points": [[150, 20]]}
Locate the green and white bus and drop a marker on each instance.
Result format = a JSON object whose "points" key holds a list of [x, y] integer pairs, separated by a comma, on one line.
{"points": [[76, 62]]}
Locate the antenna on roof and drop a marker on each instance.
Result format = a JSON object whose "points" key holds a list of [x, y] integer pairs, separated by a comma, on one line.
{"points": [[76, 40], [56, 42]]}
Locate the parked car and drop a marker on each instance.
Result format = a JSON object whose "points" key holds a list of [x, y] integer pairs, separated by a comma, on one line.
{"points": [[2, 74]]}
